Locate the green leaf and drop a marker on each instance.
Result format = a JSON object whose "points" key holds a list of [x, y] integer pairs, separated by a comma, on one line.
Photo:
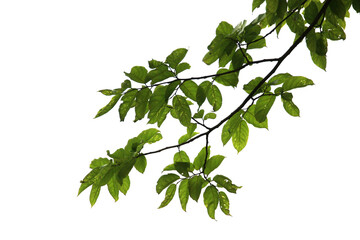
{"points": [[89, 179], [157, 101], [271, 6], [210, 116], [127, 103], [164, 181], [200, 96], [169, 195], [279, 79], [263, 106], [160, 73], [184, 193], [224, 203], [99, 162], [109, 106], [226, 183], [319, 61], [214, 97], [183, 168], [296, 82], [338, 8], [240, 136], [256, 4], [259, 42], [321, 45], [237, 59], [155, 64], [171, 88], [150, 135], [229, 128], [213, 163], [250, 86], [224, 28], [181, 156], [176, 57], [182, 110], [356, 5], [199, 114], [333, 32], [140, 164], [141, 103], [288, 104], [186, 137], [138, 74], [113, 187], [125, 185], [200, 158], [229, 79], [296, 23], [189, 88], [125, 169], [294, 4], [182, 67], [310, 13], [195, 186], [94, 194], [211, 200], [249, 116]]}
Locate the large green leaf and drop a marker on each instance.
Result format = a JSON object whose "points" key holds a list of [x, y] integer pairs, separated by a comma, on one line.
{"points": [[184, 193], [200, 158], [356, 5], [125, 185], [169, 195], [189, 88], [333, 32], [271, 6], [224, 203], [109, 106], [296, 82], [226, 183], [138, 74], [182, 67], [310, 13], [214, 97], [195, 186], [249, 116], [338, 8], [150, 135], [89, 179], [176, 57], [113, 188], [140, 164], [256, 4], [157, 101], [263, 106], [99, 162], [213, 163], [230, 127], [94, 194], [319, 61], [288, 104], [165, 180], [250, 86], [224, 28], [181, 156], [240, 136], [294, 3], [229, 79], [141, 103], [182, 110], [127, 103], [296, 23], [211, 200]]}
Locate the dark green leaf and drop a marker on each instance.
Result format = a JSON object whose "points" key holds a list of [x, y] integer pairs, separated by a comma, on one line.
{"points": [[259, 42], [200, 96], [199, 114], [226, 183], [195, 186], [159, 74], [182, 110], [94, 194], [271, 6], [137, 74], [263, 106], [224, 203], [211, 200], [214, 97], [169, 195], [229, 79], [229, 128], [184, 193], [338, 8], [155, 64], [127, 103], [189, 88], [109, 106], [200, 158], [183, 168], [99, 162], [256, 4], [164, 181], [240, 136], [288, 104], [356, 5], [296, 82], [140, 163], [294, 4], [250, 86], [310, 13], [171, 88], [182, 67], [333, 32], [296, 23], [237, 59], [176, 57], [249, 116], [321, 45], [141, 103], [279, 79], [210, 116], [213, 163], [125, 169], [125, 185]]}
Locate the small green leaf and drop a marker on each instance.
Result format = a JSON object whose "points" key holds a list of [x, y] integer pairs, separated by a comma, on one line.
{"points": [[200, 158], [294, 4], [256, 4], [356, 5], [250, 86], [155, 64], [199, 114], [211, 200], [157, 101], [213, 163], [195, 186], [125, 169], [125, 185], [94, 194], [182, 67], [319, 61], [181, 156], [249, 116], [169, 195], [176, 57], [89, 179], [109, 106], [214, 97], [141, 103], [263, 106], [229, 128], [127, 103], [160, 73], [210, 116], [224, 203], [226, 183], [182, 110], [150, 135], [279, 79], [258, 42], [165, 180], [113, 187], [184, 193], [240, 136], [99, 162], [140, 164], [189, 88], [186, 137], [296, 82], [227, 79], [333, 32], [138, 74], [200, 96], [288, 104]]}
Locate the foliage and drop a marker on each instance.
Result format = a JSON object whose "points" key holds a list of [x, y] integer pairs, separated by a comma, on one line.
{"points": [[157, 93]]}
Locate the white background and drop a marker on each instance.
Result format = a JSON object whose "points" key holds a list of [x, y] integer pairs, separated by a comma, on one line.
{"points": [[301, 178]]}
